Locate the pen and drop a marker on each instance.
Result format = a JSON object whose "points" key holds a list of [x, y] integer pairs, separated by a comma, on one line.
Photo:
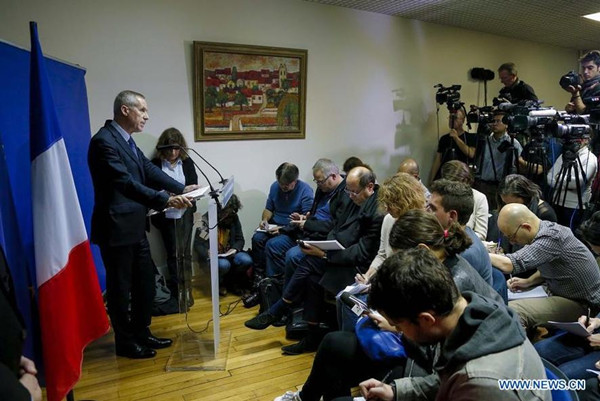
{"points": [[498, 245], [359, 273], [587, 320], [387, 376]]}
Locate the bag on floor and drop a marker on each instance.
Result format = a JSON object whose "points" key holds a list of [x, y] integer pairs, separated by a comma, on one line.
{"points": [[270, 289], [164, 303]]}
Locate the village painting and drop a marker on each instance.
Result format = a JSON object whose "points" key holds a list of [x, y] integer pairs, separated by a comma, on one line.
{"points": [[249, 92]]}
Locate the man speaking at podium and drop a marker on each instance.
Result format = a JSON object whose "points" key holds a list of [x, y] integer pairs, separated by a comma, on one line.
{"points": [[126, 184]]}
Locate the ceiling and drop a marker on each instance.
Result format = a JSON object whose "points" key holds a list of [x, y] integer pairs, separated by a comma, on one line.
{"points": [[554, 22]]}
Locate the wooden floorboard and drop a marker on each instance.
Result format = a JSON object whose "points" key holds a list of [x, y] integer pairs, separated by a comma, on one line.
{"points": [[255, 368]]}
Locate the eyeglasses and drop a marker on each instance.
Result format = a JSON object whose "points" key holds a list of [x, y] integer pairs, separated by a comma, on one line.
{"points": [[511, 238], [352, 193], [319, 182]]}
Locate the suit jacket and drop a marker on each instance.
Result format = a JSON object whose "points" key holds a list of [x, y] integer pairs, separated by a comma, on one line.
{"points": [[125, 186], [316, 229], [358, 229], [12, 337]]}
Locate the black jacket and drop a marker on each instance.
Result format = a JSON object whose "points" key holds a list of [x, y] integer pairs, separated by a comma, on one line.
{"points": [[358, 229], [12, 337], [125, 186], [316, 229]]}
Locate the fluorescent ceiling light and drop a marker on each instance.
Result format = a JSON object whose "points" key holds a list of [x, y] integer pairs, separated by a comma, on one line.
{"points": [[595, 16]]}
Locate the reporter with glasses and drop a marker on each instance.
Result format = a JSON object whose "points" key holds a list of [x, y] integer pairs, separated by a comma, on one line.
{"points": [[499, 157]]}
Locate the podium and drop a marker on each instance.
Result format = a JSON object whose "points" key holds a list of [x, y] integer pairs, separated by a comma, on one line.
{"points": [[196, 347]]}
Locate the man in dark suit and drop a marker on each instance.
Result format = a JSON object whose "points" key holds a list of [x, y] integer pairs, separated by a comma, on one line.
{"points": [[17, 373], [126, 184]]}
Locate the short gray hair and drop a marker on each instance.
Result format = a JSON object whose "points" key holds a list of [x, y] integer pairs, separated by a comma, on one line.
{"points": [[326, 166], [128, 98]]}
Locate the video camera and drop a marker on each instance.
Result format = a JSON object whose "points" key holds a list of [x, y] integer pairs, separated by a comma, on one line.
{"points": [[592, 104], [527, 117], [480, 115], [569, 126], [450, 96]]}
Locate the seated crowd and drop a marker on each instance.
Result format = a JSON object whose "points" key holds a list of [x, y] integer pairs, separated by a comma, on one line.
{"points": [[447, 316]]}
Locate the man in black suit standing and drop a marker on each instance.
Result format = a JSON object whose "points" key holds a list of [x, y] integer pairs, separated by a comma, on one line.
{"points": [[18, 380], [126, 184]]}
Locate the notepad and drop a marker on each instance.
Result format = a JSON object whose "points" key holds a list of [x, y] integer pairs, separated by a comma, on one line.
{"points": [[331, 245], [537, 292], [572, 327], [197, 193], [270, 228]]}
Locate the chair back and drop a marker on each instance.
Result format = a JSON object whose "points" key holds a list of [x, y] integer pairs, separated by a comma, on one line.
{"points": [[552, 372]]}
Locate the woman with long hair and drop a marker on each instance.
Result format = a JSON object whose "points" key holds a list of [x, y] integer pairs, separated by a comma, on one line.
{"points": [[175, 225]]}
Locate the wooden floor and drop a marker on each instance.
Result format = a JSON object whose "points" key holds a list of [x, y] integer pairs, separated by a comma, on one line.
{"points": [[254, 370]]}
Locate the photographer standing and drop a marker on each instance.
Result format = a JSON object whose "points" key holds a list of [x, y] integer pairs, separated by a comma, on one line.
{"points": [[514, 89], [455, 145], [497, 159], [590, 66], [576, 153]]}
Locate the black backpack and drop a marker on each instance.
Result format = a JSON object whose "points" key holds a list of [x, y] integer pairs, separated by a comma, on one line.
{"points": [[270, 289]]}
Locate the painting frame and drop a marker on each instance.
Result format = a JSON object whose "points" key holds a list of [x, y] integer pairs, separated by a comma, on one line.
{"points": [[269, 88]]}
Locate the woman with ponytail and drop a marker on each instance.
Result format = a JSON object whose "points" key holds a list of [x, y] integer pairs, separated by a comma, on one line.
{"points": [[418, 228]]}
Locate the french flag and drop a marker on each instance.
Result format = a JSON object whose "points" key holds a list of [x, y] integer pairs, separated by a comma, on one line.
{"points": [[71, 309]]}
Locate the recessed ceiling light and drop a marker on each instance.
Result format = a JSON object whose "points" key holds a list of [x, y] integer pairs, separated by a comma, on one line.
{"points": [[595, 16]]}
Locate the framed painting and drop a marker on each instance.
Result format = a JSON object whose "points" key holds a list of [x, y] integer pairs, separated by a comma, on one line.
{"points": [[248, 92]]}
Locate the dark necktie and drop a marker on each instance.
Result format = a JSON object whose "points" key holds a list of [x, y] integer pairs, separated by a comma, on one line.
{"points": [[132, 146]]}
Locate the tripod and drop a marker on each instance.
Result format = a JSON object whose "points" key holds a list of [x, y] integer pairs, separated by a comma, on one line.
{"points": [[571, 164], [537, 164]]}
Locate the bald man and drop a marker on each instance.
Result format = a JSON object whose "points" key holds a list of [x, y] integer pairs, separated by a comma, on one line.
{"points": [[566, 266], [410, 166]]}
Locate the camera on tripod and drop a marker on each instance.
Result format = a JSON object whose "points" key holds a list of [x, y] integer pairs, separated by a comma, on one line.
{"points": [[569, 127], [480, 115], [450, 96], [527, 117]]}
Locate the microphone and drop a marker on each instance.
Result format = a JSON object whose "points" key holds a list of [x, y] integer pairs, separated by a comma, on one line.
{"points": [[357, 305], [223, 180], [213, 193], [163, 147], [175, 146]]}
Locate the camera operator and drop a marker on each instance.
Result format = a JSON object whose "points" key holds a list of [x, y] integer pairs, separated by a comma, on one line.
{"points": [[590, 66], [497, 160], [568, 203], [458, 144], [514, 89]]}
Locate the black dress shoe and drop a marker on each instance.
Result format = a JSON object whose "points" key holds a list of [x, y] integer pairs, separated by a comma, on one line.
{"points": [[134, 351], [155, 342]]}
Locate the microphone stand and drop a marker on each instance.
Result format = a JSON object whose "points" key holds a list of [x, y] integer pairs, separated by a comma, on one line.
{"points": [[223, 180], [213, 193]]}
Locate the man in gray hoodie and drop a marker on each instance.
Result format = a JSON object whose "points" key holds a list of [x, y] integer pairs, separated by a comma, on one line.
{"points": [[478, 341]]}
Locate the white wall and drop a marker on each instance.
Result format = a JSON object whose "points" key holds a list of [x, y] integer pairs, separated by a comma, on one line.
{"points": [[360, 67]]}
